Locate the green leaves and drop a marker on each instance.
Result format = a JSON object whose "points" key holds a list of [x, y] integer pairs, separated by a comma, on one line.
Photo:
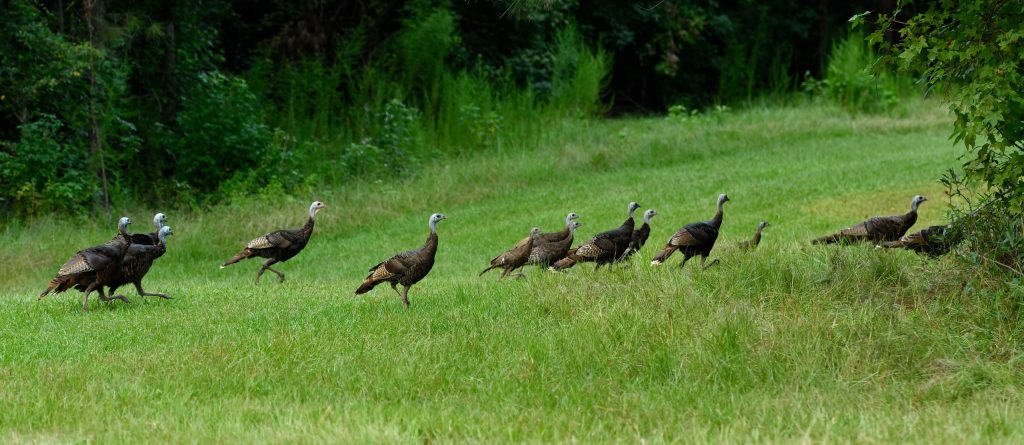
{"points": [[973, 51]]}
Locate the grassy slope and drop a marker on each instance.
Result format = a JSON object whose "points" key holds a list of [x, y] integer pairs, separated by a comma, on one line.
{"points": [[790, 343]]}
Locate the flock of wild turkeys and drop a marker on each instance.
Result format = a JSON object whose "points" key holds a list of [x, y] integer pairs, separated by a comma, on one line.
{"points": [[128, 257]]}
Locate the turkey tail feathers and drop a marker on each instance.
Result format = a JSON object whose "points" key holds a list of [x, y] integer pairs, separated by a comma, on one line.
{"points": [[245, 253]]}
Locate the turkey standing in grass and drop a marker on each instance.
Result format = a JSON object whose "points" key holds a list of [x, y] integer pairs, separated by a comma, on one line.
{"points": [[279, 246], [552, 246], [603, 248], [94, 267], [752, 243], [933, 241], [406, 268], [138, 259], [877, 229], [515, 257], [151, 239], [639, 236], [694, 239]]}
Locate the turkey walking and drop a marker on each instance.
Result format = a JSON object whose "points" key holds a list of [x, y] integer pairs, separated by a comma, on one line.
{"points": [[694, 239], [639, 236], [752, 243], [150, 239], [279, 246], [552, 246], [515, 257], [406, 268], [603, 248], [94, 267], [933, 241], [878, 229], [138, 259]]}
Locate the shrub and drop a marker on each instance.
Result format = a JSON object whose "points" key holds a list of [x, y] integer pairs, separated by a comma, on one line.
{"points": [[40, 172], [849, 81], [221, 132]]}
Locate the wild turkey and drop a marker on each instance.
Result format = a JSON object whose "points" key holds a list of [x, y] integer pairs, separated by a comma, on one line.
{"points": [[752, 243], [933, 241], [877, 229], [694, 239], [546, 252], [515, 257], [406, 268], [603, 248], [94, 267], [552, 246], [138, 259], [639, 236], [150, 239], [279, 246]]}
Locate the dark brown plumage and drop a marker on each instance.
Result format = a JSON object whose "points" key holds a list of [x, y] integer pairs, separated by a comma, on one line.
{"points": [[603, 248], [138, 259], [515, 257], [877, 229], [406, 268], [639, 236], [933, 241], [553, 246], [151, 239], [694, 239], [279, 246], [561, 234], [94, 267], [752, 243]]}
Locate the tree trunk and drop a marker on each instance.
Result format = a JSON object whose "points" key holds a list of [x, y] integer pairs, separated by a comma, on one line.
{"points": [[823, 37], [96, 138], [169, 111]]}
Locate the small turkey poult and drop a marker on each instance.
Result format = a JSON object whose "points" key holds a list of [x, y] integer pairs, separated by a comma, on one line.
{"points": [[91, 269], [878, 229], [279, 246], [406, 268], [694, 239], [752, 243], [515, 257]]}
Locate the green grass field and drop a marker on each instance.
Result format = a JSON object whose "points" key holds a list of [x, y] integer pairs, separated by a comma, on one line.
{"points": [[791, 343]]}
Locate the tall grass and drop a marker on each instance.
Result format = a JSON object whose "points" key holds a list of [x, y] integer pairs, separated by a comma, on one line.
{"points": [[335, 117], [854, 81], [789, 343]]}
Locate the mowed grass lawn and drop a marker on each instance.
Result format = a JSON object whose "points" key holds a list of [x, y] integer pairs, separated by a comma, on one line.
{"points": [[791, 343]]}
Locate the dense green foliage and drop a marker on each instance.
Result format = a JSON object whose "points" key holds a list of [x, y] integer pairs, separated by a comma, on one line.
{"points": [[791, 343], [973, 53], [190, 103]]}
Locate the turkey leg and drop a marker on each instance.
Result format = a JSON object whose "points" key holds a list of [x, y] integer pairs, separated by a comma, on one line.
{"points": [[138, 288], [405, 296]]}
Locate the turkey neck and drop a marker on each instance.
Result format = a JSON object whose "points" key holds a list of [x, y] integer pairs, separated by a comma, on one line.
{"points": [[629, 223], [717, 220], [307, 229], [431, 244], [757, 236], [910, 218]]}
